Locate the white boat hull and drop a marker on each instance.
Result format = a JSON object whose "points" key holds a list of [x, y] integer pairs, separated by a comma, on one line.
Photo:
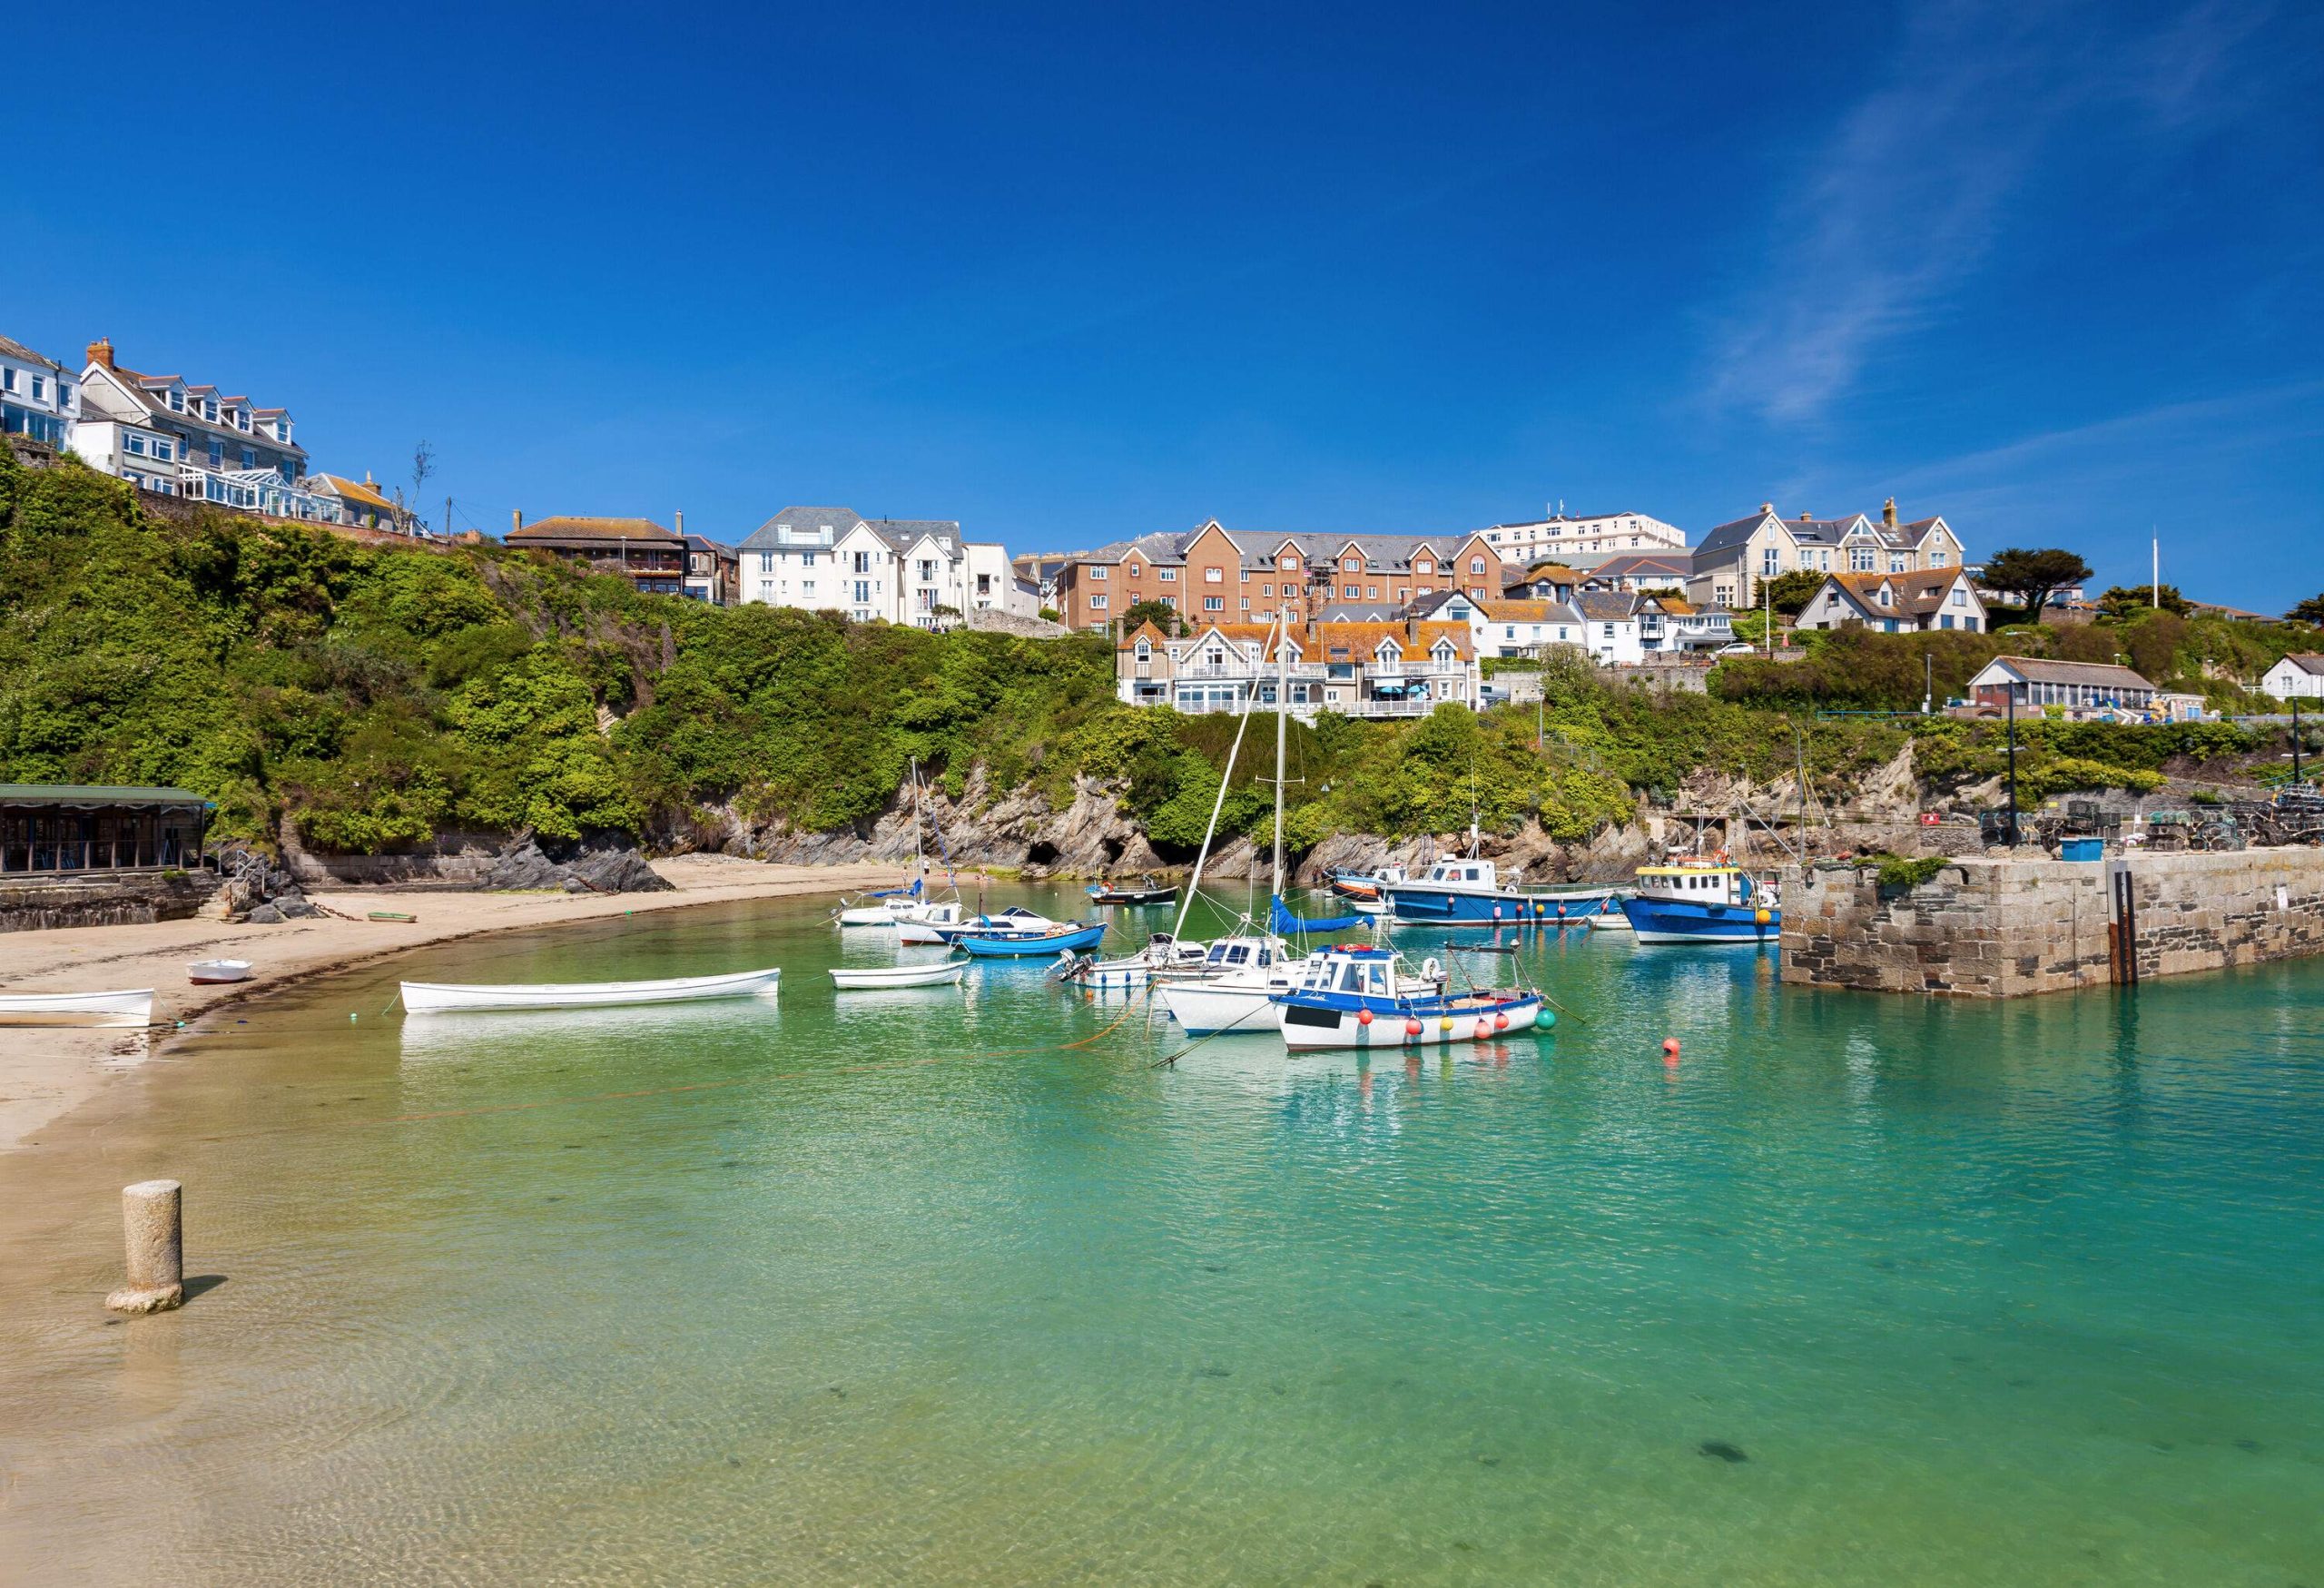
{"points": [[1390, 1031], [130, 1007], [440, 998], [936, 975], [216, 972], [1204, 1009]]}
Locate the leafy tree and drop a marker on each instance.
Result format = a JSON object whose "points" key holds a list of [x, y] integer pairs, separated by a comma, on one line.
{"points": [[1790, 593], [1158, 613], [2311, 611], [2125, 602], [2033, 575]]}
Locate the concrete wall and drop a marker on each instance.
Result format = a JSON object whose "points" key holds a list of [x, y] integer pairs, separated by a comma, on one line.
{"points": [[2001, 928]]}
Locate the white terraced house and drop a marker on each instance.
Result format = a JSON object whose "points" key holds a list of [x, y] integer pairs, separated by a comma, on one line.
{"points": [[1737, 557], [175, 438], [918, 571], [39, 398], [1587, 536]]}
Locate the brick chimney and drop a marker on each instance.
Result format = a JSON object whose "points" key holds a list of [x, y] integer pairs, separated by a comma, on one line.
{"points": [[682, 523], [101, 351], [1808, 518], [515, 519], [1888, 513], [1766, 508]]}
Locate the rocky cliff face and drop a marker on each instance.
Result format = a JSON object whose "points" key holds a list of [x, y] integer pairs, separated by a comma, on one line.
{"points": [[1017, 829]]}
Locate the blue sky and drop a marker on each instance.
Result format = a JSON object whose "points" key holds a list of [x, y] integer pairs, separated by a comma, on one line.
{"points": [[1068, 274]]}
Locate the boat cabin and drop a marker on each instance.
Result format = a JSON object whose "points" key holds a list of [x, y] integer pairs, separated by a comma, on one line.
{"points": [[1696, 884], [1476, 872], [52, 828], [1229, 953]]}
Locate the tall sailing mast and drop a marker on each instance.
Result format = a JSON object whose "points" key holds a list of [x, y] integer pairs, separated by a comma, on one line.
{"points": [[1282, 711]]}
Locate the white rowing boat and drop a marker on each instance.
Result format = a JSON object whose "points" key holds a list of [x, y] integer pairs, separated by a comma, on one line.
{"points": [[127, 1008], [216, 972], [440, 998], [936, 975]]}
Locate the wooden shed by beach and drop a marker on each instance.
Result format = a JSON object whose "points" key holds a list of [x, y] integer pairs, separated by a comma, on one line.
{"points": [[48, 829]]}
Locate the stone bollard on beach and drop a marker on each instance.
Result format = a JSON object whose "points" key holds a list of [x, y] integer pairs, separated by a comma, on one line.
{"points": [[151, 1218]]}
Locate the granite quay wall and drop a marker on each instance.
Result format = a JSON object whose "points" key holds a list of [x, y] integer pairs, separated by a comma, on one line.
{"points": [[2000, 927]]}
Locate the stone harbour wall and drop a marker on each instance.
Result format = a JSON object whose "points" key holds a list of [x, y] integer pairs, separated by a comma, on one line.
{"points": [[129, 898], [1996, 927]]}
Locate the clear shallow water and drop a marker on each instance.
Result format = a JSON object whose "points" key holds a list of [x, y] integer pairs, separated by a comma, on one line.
{"points": [[863, 1291]]}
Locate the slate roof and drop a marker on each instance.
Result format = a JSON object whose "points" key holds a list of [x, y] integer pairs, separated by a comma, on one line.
{"points": [[1607, 605], [1728, 536], [903, 534], [1528, 612], [10, 348], [2307, 661], [2098, 674], [157, 403], [1676, 564], [806, 520], [1361, 612], [1383, 554]]}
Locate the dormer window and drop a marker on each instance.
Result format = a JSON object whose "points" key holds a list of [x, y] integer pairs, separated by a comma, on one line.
{"points": [[1424, 566], [1144, 651], [1883, 595], [177, 401], [1290, 565], [1444, 652]]}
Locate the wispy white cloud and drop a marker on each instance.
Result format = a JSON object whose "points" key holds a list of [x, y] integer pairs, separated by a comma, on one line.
{"points": [[1905, 199]]}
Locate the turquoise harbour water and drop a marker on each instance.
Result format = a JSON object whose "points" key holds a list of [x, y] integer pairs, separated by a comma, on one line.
{"points": [[895, 1288]]}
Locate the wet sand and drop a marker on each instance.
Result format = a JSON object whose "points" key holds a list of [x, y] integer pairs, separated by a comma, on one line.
{"points": [[46, 1071]]}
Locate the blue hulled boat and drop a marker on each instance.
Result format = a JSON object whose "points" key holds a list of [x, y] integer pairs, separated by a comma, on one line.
{"points": [[1703, 901], [1070, 937], [1470, 892]]}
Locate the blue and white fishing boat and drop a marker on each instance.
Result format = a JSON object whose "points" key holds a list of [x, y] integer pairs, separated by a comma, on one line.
{"points": [[1702, 901], [1470, 892], [1356, 996], [1070, 937]]}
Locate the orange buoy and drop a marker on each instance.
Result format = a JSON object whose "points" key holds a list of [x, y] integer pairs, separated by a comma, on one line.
{"points": [[1411, 1026], [1670, 1047], [1501, 1021], [1364, 1017], [1483, 1029]]}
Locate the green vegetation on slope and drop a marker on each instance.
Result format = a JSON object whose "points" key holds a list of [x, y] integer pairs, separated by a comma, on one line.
{"points": [[382, 695]]}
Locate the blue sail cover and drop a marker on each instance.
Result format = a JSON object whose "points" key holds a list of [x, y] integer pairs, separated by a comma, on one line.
{"points": [[1282, 923], [911, 893]]}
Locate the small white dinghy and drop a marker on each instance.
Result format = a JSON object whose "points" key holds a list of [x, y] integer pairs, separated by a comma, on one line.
{"points": [[440, 998], [127, 1008], [941, 972], [216, 972]]}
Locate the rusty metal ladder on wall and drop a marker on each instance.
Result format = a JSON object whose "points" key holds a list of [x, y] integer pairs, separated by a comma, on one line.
{"points": [[2122, 924]]}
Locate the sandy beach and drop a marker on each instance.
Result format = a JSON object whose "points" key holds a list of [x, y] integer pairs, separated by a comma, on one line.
{"points": [[48, 1071]]}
